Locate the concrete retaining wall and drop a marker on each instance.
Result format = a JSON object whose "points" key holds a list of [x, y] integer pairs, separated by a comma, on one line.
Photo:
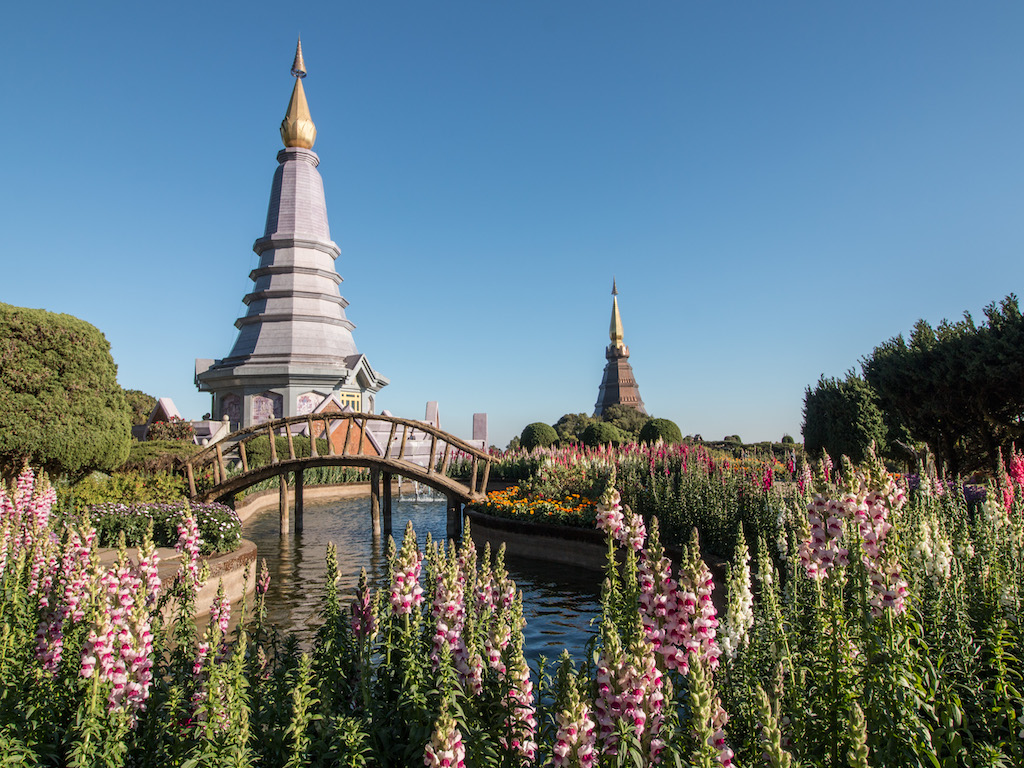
{"points": [[577, 547], [270, 499], [229, 568]]}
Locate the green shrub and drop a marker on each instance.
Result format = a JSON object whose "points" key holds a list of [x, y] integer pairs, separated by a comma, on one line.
{"points": [[176, 428], [602, 433], [788, 440], [661, 429], [628, 420], [123, 488], [537, 435], [258, 448], [158, 456]]}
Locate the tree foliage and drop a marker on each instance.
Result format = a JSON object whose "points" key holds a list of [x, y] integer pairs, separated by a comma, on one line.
{"points": [[571, 426], [62, 407], [842, 418], [141, 404], [957, 387], [661, 429], [537, 434], [626, 419]]}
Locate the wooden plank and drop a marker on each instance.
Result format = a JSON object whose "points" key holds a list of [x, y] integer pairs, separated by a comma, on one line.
{"points": [[191, 479], [348, 432], [375, 502], [472, 481], [391, 439], [327, 434], [291, 443], [244, 455], [312, 438], [273, 444], [433, 453], [298, 500], [405, 434], [446, 458], [362, 436], [487, 472], [220, 464]]}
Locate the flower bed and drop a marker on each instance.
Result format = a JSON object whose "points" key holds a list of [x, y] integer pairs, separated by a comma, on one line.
{"points": [[890, 636], [219, 526], [515, 504]]}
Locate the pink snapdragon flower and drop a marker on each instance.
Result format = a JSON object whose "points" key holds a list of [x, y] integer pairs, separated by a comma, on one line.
{"points": [[520, 718], [445, 748], [406, 592], [188, 545], [609, 514], [575, 737]]}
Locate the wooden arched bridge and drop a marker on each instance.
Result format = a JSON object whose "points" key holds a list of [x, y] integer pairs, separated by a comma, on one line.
{"points": [[385, 445]]}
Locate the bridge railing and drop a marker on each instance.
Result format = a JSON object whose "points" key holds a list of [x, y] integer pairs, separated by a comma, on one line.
{"points": [[417, 447]]}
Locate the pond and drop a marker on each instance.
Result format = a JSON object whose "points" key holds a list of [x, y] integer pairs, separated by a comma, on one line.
{"points": [[559, 603]]}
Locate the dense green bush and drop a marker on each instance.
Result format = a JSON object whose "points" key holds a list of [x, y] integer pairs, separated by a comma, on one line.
{"points": [[628, 420], [62, 407], [661, 429], [123, 488], [788, 440], [158, 456], [602, 433], [571, 426], [537, 435], [258, 448]]}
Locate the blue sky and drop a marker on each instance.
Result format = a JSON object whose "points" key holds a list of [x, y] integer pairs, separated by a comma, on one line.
{"points": [[776, 187]]}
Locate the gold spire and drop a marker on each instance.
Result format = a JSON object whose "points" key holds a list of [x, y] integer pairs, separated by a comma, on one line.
{"points": [[615, 331], [297, 129]]}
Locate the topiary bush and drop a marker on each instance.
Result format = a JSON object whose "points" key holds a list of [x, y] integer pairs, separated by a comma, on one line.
{"points": [[62, 408], [661, 429], [537, 435], [603, 433]]}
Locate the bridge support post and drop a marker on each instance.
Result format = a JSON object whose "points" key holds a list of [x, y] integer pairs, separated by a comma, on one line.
{"points": [[386, 506], [283, 519], [298, 500], [454, 517], [375, 501]]}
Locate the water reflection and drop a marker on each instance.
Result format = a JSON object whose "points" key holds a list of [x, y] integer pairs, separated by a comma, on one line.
{"points": [[558, 602]]}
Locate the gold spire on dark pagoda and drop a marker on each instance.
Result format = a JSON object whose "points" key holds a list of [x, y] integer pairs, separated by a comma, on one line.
{"points": [[297, 128], [615, 331]]}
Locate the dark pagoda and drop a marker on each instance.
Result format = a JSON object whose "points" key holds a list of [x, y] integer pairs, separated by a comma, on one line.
{"points": [[618, 387]]}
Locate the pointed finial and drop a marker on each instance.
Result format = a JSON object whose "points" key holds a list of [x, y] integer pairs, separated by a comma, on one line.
{"points": [[615, 330], [297, 128], [299, 66]]}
